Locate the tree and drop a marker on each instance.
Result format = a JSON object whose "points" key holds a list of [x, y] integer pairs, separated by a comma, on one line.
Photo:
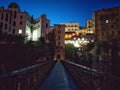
{"points": [[70, 51]]}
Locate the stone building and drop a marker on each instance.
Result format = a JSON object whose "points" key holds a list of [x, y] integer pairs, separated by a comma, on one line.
{"points": [[59, 31], [15, 22], [107, 32]]}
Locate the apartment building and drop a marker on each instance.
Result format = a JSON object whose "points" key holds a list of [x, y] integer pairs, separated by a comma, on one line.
{"points": [[107, 32], [15, 22]]}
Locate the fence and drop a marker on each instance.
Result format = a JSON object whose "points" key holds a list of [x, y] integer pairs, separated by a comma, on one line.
{"points": [[27, 78], [92, 79]]}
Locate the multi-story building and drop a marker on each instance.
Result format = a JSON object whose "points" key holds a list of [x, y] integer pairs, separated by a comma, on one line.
{"points": [[74, 32], [90, 26], [15, 22], [88, 31], [71, 26], [39, 27], [59, 31], [107, 23], [107, 30]]}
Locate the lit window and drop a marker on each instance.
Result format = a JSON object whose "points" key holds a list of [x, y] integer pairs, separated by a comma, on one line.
{"points": [[20, 31], [107, 21]]}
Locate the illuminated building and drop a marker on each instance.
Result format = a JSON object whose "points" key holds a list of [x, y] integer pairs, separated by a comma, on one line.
{"points": [[71, 26], [88, 31], [107, 31], [73, 30], [59, 31], [90, 27], [15, 22], [39, 27]]}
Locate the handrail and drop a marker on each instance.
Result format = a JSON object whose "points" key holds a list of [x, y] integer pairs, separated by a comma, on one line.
{"points": [[94, 71], [20, 71], [27, 78]]}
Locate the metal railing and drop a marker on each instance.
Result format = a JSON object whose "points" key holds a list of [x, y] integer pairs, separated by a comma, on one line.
{"points": [[27, 78], [92, 79]]}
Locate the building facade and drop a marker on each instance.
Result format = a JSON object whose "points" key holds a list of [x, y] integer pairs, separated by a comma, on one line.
{"points": [[15, 22], [71, 26], [107, 23], [59, 31], [39, 27], [74, 34], [107, 31]]}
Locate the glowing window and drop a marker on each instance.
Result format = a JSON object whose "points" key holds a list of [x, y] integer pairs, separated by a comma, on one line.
{"points": [[20, 31], [106, 21]]}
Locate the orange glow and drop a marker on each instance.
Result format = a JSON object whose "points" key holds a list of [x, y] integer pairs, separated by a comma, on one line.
{"points": [[73, 34], [70, 36], [77, 33], [66, 36]]}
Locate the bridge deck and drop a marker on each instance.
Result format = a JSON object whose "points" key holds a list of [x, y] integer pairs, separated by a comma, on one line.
{"points": [[58, 79]]}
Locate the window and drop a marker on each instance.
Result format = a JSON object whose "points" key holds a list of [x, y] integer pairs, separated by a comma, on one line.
{"points": [[21, 16], [14, 23], [20, 22], [20, 31], [15, 14], [106, 21], [13, 31], [2, 16], [1, 25], [11, 13], [6, 18], [5, 26], [9, 29], [68, 30], [59, 38], [10, 19], [47, 25]]}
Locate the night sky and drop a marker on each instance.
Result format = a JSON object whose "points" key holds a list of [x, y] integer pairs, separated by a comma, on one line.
{"points": [[60, 11]]}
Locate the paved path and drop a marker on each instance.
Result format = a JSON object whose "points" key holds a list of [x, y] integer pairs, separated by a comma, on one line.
{"points": [[59, 79]]}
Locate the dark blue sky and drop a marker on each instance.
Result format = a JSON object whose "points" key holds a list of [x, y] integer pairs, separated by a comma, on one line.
{"points": [[59, 11]]}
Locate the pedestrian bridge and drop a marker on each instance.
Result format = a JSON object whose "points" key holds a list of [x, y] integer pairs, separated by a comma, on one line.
{"points": [[58, 79], [58, 75]]}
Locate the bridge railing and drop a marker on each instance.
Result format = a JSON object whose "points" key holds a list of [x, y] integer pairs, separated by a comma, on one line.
{"points": [[92, 79], [27, 78]]}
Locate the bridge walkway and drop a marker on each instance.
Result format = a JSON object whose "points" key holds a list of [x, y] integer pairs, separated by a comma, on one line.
{"points": [[58, 79]]}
